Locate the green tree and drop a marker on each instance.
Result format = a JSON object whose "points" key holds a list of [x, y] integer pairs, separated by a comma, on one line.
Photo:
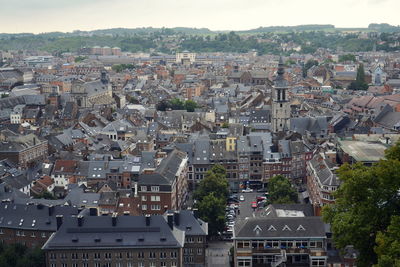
{"points": [[366, 203], [190, 105], [214, 181], [281, 191], [388, 244], [225, 125], [177, 104], [212, 210], [347, 57], [79, 59], [211, 196], [359, 83]]}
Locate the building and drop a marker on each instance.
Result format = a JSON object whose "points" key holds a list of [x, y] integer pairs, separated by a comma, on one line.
{"points": [[352, 151], [22, 149], [280, 102], [287, 235], [165, 188], [30, 224], [175, 240], [322, 181]]}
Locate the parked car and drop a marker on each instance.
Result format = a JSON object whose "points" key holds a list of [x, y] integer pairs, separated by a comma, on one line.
{"points": [[241, 198], [247, 190]]}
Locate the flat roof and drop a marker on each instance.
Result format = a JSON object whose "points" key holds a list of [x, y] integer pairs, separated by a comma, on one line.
{"points": [[363, 151]]}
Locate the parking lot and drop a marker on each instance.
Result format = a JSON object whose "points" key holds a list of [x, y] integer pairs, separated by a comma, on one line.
{"points": [[243, 211]]}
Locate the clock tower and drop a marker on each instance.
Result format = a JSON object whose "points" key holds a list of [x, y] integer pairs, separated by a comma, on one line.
{"points": [[280, 101]]}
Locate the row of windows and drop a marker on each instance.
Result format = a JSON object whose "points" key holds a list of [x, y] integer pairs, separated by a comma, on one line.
{"points": [[118, 255], [280, 244], [190, 239], [118, 264], [190, 251], [143, 188], [152, 198], [152, 207], [22, 233]]}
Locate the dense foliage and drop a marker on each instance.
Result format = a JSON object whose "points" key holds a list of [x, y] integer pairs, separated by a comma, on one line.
{"points": [[199, 40], [211, 197], [367, 208], [359, 83], [281, 191], [177, 104], [18, 255]]}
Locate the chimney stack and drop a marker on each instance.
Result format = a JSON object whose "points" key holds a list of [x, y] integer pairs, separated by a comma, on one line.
{"points": [[148, 218], [80, 220], [51, 210], [170, 220], [196, 213], [59, 220], [114, 219], [92, 211], [176, 218]]}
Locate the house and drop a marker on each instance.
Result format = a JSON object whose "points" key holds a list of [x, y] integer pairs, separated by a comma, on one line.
{"points": [[165, 188]]}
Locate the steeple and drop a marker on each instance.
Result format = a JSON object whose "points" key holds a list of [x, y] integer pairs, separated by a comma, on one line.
{"points": [[280, 101]]}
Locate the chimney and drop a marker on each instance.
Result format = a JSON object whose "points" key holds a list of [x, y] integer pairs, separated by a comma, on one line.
{"points": [[176, 218], [93, 212], [148, 218], [80, 220], [114, 219], [196, 213], [51, 210], [59, 220], [170, 220]]}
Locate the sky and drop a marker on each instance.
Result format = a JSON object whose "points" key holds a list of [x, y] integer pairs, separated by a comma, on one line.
{"points": [[39, 16]]}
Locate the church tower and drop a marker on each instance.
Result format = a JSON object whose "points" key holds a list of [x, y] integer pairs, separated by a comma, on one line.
{"points": [[280, 101]]}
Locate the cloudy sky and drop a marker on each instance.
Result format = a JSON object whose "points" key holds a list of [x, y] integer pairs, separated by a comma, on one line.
{"points": [[68, 15]]}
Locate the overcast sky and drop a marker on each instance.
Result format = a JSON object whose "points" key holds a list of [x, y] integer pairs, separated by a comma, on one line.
{"points": [[68, 15]]}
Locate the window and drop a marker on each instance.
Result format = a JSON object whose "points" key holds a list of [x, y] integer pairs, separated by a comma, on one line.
{"points": [[33, 234], [200, 239], [44, 235], [174, 254], [190, 239], [129, 255], [143, 188], [107, 256], [144, 207], [152, 264], [74, 256], [199, 251], [155, 207], [96, 256], [53, 256], [144, 198], [85, 256], [155, 189], [140, 264], [163, 255], [152, 255], [141, 255], [155, 198], [163, 264], [1, 231], [173, 264]]}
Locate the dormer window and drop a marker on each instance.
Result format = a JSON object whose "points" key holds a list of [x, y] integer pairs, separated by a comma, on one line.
{"points": [[286, 228]]}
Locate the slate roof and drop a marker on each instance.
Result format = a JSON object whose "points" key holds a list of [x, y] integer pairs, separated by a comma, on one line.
{"points": [[129, 232], [283, 227], [32, 217], [323, 172]]}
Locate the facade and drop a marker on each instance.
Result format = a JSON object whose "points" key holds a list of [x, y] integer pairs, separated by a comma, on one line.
{"points": [[127, 241], [280, 102], [30, 225], [286, 236], [166, 188], [322, 181], [22, 150]]}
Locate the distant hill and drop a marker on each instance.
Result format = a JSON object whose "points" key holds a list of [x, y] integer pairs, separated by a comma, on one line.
{"points": [[383, 27], [311, 27]]}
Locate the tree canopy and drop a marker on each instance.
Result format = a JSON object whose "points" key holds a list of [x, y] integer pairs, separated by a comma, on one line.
{"points": [[367, 203], [359, 83], [19, 255], [177, 104], [281, 191], [211, 196]]}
